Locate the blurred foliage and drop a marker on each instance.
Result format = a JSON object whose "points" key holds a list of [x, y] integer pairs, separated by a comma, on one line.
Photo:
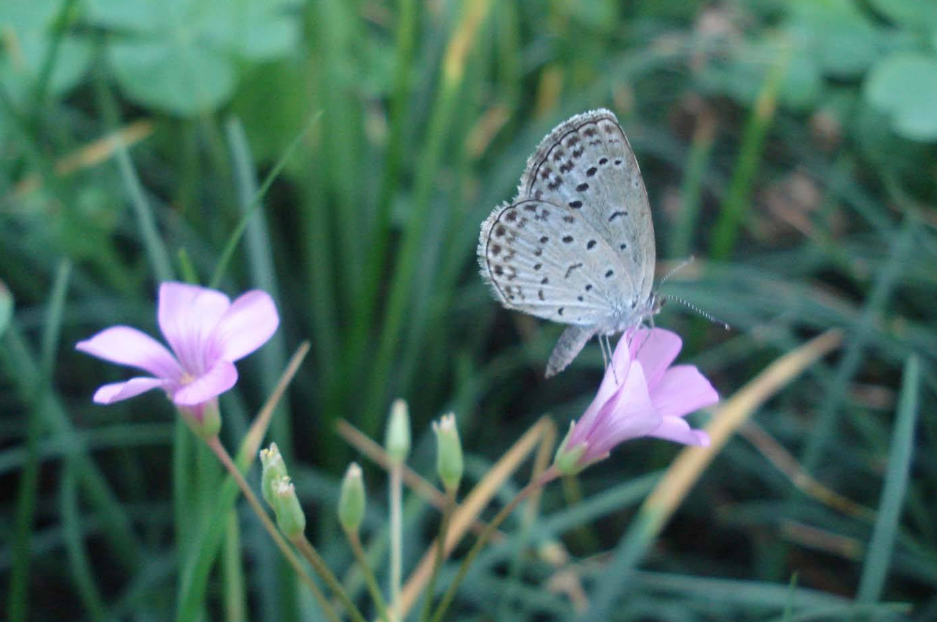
{"points": [[792, 146]]}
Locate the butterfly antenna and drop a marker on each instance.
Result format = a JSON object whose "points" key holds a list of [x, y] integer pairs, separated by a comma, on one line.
{"points": [[683, 264], [692, 307]]}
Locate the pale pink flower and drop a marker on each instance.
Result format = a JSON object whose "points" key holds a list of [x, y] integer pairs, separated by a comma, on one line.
{"points": [[640, 395], [207, 334]]}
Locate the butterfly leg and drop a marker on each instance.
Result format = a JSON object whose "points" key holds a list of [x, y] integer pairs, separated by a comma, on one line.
{"points": [[610, 361]]}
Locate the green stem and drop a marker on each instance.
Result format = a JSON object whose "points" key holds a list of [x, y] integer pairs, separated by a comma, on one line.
{"points": [[396, 538], [312, 556], [483, 537], [215, 444], [361, 557], [234, 594], [440, 554]]}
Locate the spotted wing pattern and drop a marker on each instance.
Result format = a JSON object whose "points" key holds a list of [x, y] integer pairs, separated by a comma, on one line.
{"points": [[548, 261], [586, 164]]}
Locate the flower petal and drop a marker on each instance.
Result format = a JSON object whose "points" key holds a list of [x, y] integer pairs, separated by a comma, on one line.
{"points": [[682, 390], [248, 324], [656, 349], [633, 411], [216, 381], [629, 414], [117, 391], [128, 346], [615, 375], [679, 431], [188, 315]]}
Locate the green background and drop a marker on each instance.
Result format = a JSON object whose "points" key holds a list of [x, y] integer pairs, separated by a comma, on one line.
{"points": [[788, 146]]}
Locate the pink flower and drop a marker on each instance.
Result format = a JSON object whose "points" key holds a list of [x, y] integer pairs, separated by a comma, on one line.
{"points": [[640, 395], [207, 333]]}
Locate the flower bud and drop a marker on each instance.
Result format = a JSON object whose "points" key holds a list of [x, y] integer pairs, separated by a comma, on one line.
{"points": [[448, 452], [567, 460], [204, 419], [290, 516], [274, 469], [397, 439], [352, 500]]}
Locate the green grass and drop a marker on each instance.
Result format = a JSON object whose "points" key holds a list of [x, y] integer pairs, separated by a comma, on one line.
{"points": [[347, 173]]}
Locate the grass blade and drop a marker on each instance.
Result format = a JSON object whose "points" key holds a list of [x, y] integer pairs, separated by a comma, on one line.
{"points": [[29, 478], [875, 569], [736, 205], [82, 571]]}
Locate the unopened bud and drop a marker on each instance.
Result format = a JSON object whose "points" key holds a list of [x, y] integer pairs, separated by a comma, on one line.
{"points": [[274, 469], [351, 501], [397, 439], [290, 516], [448, 452], [567, 459]]}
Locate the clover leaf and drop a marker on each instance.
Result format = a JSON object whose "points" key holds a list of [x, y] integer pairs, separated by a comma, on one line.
{"points": [[183, 56], [28, 39], [904, 87]]}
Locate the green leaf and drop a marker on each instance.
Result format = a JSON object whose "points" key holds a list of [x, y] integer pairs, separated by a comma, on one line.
{"points": [[6, 307], [173, 75], [182, 56], [839, 36], [904, 87], [27, 34], [911, 14]]}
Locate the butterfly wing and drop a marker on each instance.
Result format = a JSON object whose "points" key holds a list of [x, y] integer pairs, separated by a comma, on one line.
{"points": [[548, 261], [586, 165]]}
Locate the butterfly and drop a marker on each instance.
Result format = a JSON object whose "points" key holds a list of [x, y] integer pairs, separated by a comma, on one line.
{"points": [[576, 245]]}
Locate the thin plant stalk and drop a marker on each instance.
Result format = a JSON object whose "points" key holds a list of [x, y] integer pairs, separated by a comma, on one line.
{"points": [[354, 540], [312, 556], [396, 538], [506, 511], [215, 444], [440, 554]]}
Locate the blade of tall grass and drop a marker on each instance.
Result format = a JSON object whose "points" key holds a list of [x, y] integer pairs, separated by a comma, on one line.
{"points": [[736, 205], [863, 333], [453, 66], [256, 203], [336, 41], [81, 568], [681, 236], [29, 477], [877, 560], [22, 368], [272, 357], [689, 465], [40, 89], [404, 43], [152, 242], [235, 594], [6, 307]]}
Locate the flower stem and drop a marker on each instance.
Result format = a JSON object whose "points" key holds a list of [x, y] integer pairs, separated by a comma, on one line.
{"points": [[355, 541], [396, 538], [215, 444], [440, 554], [312, 556], [506, 511]]}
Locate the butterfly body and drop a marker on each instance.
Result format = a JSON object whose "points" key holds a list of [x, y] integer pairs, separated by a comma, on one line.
{"points": [[576, 245]]}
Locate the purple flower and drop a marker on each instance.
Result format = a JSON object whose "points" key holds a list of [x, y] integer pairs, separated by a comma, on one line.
{"points": [[640, 395], [207, 334]]}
